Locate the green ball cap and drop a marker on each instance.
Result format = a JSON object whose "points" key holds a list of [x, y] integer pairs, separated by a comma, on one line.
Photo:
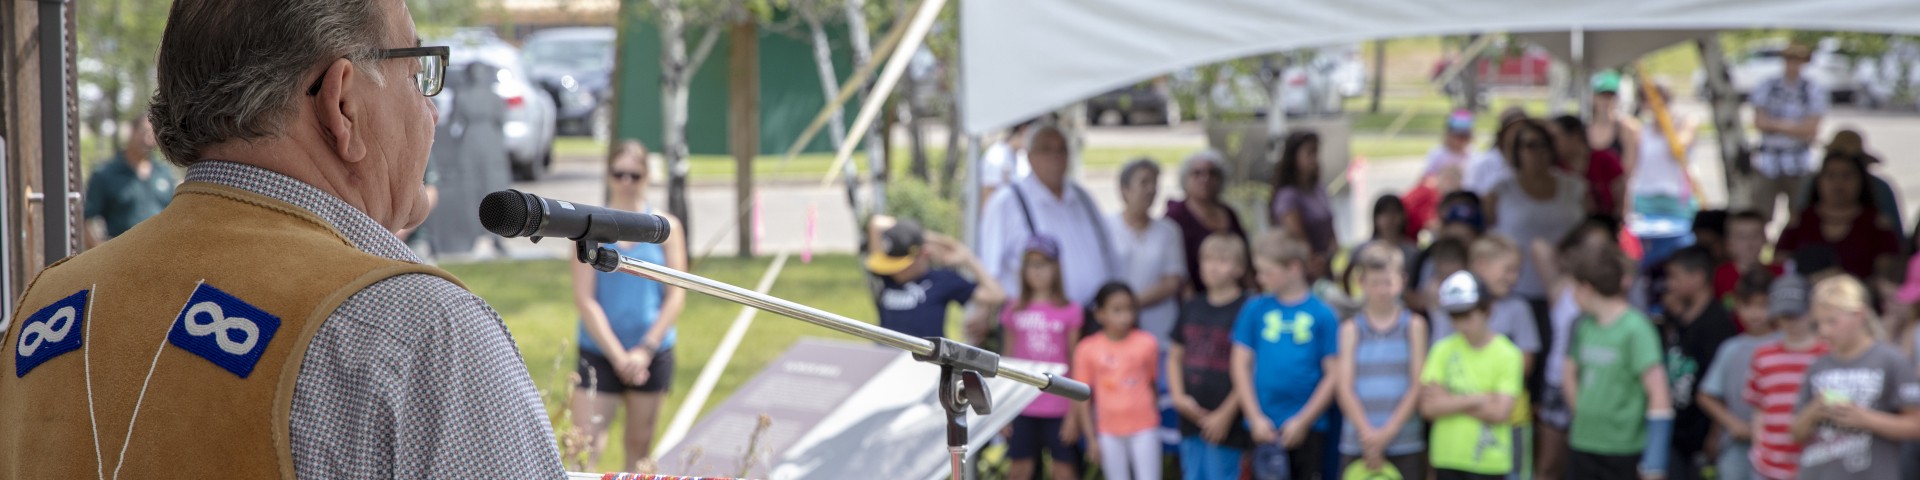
{"points": [[1606, 82]]}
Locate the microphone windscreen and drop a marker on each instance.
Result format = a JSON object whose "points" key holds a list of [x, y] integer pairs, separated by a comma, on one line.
{"points": [[505, 213]]}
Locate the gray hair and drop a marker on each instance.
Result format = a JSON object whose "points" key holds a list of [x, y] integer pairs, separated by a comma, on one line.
{"points": [[1036, 129], [233, 69], [1207, 156], [1136, 167]]}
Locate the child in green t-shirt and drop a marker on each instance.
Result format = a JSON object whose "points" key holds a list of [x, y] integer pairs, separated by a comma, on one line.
{"points": [[1468, 387], [1619, 398]]}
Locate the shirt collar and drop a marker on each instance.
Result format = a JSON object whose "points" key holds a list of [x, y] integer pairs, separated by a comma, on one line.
{"points": [[366, 234], [1035, 188]]}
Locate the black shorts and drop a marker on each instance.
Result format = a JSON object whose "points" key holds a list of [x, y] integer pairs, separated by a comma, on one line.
{"points": [[1593, 466], [1031, 435], [1552, 409], [1543, 328], [597, 373]]}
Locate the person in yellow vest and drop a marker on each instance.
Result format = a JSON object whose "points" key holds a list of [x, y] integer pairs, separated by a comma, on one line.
{"points": [[267, 323]]}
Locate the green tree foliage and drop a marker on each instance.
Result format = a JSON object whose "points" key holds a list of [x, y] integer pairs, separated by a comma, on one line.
{"points": [[118, 40], [910, 198]]}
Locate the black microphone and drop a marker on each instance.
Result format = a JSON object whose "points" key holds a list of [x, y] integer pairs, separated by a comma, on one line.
{"points": [[512, 213]]}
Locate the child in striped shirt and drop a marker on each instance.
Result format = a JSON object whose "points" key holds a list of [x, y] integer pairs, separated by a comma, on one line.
{"points": [[1774, 378], [1381, 352]]}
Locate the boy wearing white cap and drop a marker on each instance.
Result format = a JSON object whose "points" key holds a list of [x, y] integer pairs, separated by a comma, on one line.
{"points": [[1469, 384]]}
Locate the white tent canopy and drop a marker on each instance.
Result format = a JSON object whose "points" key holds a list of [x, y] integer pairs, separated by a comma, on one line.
{"points": [[1022, 58]]}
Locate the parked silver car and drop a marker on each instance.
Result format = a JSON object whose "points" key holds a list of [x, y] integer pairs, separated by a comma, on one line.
{"points": [[1891, 79], [529, 127], [574, 66], [1317, 84]]}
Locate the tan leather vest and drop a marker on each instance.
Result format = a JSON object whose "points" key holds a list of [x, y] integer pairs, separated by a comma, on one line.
{"points": [[173, 350]]}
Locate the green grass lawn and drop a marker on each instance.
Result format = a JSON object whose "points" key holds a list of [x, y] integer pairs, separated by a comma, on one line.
{"points": [[532, 297]]}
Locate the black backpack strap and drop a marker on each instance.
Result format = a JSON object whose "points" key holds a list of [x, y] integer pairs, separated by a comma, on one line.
{"points": [[1093, 217], [1025, 211]]}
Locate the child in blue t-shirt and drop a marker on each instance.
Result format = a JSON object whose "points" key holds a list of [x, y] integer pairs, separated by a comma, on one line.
{"points": [[914, 274], [1283, 346]]}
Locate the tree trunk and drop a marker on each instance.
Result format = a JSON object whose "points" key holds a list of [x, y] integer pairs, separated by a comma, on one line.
{"points": [[916, 138], [673, 109], [1379, 74], [829, 88], [949, 171], [829, 80], [743, 65], [876, 151], [1470, 77], [889, 117], [112, 93], [676, 76]]}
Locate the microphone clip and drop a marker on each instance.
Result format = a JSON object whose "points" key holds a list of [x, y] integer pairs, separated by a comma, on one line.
{"points": [[598, 256]]}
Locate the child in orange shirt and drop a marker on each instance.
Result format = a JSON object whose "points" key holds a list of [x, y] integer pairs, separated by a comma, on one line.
{"points": [[1121, 363]]}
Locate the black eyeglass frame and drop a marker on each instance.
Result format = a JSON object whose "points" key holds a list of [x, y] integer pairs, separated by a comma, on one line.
{"points": [[440, 53]]}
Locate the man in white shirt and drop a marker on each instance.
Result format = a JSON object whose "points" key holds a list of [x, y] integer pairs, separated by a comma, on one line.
{"points": [[1787, 112], [1047, 202], [1005, 161]]}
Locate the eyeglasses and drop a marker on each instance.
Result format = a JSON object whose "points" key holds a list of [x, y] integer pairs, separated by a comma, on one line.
{"points": [[629, 176], [432, 74]]}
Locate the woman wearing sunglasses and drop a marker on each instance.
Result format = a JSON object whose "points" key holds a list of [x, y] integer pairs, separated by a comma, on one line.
{"points": [[626, 328], [1540, 203]]}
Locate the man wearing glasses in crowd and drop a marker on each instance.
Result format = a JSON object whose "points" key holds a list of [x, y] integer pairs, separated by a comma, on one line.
{"points": [[267, 323]]}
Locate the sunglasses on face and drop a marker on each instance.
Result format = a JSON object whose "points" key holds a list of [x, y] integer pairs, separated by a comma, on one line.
{"points": [[627, 176]]}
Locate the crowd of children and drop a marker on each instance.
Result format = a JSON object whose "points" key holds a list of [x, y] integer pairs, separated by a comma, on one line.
{"points": [[1719, 360], [1784, 376]]}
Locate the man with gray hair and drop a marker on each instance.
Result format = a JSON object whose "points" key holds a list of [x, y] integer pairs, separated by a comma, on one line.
{"points": [[1050, 203], [267, 323]]}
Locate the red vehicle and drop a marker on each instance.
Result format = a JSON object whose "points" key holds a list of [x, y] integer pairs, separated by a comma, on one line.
{"points": [[1526, 68]]}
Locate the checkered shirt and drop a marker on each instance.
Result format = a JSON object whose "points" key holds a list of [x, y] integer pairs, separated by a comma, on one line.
{"points": [[412, 377]]}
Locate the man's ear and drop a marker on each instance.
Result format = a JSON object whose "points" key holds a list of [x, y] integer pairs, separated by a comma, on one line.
{"points": [[336, 112]]}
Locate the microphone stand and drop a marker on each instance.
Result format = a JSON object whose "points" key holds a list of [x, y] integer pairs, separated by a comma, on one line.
{"points": [[962, 366]]}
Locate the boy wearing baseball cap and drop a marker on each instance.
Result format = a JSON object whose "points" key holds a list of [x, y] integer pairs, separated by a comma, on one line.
{"points": [[1775, 376], [914, 272], [1452, 150], [1469, 385]]}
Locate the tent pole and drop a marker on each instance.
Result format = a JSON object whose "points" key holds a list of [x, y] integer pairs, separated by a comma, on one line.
{"points": [[1726, 119], [1582, 72]]}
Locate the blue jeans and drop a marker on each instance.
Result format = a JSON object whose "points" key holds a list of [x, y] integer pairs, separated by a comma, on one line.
{"points": [[1734, 463], [1200, 460]]}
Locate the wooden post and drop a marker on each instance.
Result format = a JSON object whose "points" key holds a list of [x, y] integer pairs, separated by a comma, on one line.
{"points": [[1379, 74], [22, 126], [743, 122]]}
